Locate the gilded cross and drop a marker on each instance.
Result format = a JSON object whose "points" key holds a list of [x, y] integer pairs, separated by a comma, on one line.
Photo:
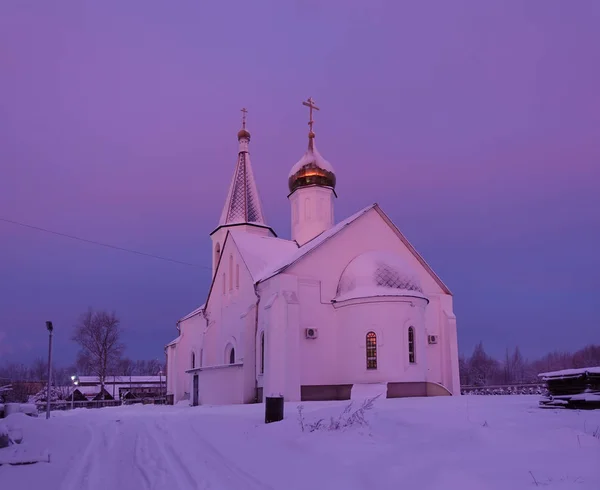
{"points": [[244, 112], [310, 103]]}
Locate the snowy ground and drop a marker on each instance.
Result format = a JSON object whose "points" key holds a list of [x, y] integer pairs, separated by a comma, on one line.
{"points": [[466, 443]]}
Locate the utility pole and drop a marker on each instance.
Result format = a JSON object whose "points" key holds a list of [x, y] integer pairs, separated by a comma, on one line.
{"points": [[49, 327]]}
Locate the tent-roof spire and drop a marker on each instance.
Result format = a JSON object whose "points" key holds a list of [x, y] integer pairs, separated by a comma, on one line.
{"points": [[243, 201]]}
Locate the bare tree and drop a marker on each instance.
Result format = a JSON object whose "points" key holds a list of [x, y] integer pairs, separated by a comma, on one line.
{"points": [[98, 334], [39, 370]]}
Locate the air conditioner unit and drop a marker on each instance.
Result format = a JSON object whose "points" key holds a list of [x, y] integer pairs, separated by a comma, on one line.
{"points": [[432, 339], [311, 333]]}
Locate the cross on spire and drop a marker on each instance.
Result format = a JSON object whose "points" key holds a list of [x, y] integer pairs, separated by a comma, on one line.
{"points": [[244, 112], [310, 103]]}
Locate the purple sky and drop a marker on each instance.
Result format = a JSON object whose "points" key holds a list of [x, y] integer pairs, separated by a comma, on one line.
{"points": [[475, 125]]}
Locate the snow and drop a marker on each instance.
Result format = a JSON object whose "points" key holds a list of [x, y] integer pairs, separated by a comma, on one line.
{"points": [[378, 273], [378, 291], [175, 341], [197, 311], [570, 372], [280, 266], [109, 380], [259, 251], [311, 156], [466, 443]]}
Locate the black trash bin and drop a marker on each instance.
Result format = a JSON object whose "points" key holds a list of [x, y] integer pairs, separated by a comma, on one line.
{"points": [[273, 409]]}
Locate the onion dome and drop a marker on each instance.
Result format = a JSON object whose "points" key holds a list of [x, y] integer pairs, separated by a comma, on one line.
{"points": [[243, 134], [311, 169], [378, 273]]}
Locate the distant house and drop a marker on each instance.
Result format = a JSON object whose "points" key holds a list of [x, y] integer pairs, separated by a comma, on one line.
{"points": [[572, 388], [123, 387]]}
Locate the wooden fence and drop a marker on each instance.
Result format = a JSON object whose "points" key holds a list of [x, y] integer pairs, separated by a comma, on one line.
{"points": [[520, 389], [68, 405]]}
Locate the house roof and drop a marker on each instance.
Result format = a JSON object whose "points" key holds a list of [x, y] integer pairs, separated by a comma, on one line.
{"points": [[259, 251], [197, 311], [119, 379], [174, 342]]}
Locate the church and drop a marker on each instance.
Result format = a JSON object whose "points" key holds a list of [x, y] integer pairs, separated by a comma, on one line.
{"points": [[336, 307]]}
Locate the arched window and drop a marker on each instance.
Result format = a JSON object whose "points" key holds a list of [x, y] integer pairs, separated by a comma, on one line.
{"points": [[217, 254], [232, 356], [307, 208], [193, 360], [411, 345], [237, 276], [371, 350], [230, 272], [201, 356], [262, 353], [295, 212]]}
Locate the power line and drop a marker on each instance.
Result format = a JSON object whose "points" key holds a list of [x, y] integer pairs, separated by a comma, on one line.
{"points": [[73, 237]]}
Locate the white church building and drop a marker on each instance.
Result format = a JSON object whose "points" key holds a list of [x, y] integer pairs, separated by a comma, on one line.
{"points": [[336, 306]]}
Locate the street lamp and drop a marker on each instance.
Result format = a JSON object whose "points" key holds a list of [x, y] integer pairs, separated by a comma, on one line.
{"points": [[160, 373], [50, 328], [75, 380]]}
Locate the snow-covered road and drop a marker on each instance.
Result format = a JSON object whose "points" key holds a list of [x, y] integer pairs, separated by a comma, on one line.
{"points": [[145, 451], [468, 442]]}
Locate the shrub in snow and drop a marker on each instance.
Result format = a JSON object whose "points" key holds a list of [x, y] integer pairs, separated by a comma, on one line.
{"points": [[347, 418], [56, 395], [4, 441]]}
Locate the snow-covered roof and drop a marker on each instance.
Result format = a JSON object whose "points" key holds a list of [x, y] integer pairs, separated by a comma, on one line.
{"points": [[174, 342], [311, 157], [567, 373], [120, 379], [280, 265], [378, 273], [197, 311], [259, 251]]}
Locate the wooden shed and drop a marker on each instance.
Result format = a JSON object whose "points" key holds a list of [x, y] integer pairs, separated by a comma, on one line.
{"points": [[572, 388]]}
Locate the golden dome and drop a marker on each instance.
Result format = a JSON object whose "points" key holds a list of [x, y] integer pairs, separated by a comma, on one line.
{"points": [[311, 169], [243, 134]]}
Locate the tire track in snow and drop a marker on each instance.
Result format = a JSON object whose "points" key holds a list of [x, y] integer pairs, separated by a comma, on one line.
{"points": [[215, 459], [176, 470], [138, 462], [79, 475]]}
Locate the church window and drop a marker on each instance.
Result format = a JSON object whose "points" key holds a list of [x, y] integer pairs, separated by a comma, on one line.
{"points": [[295, 212], [237, 276], [193, 360], [201, 356], [307, 208], [232, 356], [262, 353], [217, 254], [371, 350], [411, 345], [230, 272]]}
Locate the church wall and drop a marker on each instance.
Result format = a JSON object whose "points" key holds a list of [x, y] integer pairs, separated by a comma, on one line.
{"points": [[312, 212], [279, 317], [222, 385], [390, 321], [325, 265], [318, 357], [180, 356], [231, 310]]}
